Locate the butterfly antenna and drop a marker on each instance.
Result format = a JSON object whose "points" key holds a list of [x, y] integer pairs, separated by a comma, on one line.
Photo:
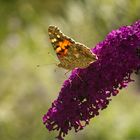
{"points": [[45, 64], [54, 58]]}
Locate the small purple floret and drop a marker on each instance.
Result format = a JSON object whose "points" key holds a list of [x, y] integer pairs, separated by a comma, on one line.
{"points": [[89, 90]]}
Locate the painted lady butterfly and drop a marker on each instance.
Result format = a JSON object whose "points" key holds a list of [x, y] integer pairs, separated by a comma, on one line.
{"points": [[71, 54]]}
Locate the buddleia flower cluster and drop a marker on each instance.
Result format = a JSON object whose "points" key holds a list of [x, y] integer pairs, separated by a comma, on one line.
{"points": [[88, 91]]}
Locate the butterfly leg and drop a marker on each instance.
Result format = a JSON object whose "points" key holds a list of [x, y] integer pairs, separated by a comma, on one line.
{"points": [[67, 72], [79, 77], [76, 74]]}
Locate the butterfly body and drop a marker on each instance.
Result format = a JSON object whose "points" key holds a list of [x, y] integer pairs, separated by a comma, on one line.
{"points": [[71, 54]]}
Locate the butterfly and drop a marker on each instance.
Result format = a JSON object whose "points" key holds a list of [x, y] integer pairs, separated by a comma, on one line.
{"points": [[71, 54]]}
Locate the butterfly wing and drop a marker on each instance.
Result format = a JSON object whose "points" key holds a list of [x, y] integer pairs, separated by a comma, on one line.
{"points": [[70, 53]]}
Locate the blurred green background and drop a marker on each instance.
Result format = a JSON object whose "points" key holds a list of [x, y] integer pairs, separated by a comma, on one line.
{"points": [[26, 91]]}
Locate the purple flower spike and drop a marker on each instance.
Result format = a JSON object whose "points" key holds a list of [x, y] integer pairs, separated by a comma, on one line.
{"points": [[89, 90]]}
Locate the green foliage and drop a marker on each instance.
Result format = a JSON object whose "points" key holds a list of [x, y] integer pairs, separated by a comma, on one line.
{"points": [[26, 91]]}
